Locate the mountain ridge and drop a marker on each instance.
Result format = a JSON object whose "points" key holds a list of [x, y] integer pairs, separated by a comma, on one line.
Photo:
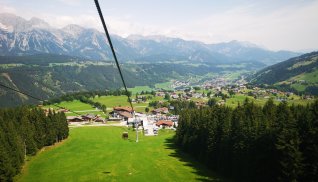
{"points": [[19, 36], [298, 74]]}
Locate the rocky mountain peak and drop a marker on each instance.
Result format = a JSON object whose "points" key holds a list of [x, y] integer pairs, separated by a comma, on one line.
{"points": [[73, 29], [13, 23], [38, 23], [19, 36]]}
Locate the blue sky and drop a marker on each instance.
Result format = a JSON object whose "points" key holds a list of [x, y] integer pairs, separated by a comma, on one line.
{"points": [[274, 24]]}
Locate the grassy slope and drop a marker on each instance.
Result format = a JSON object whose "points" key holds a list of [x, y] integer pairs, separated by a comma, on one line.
{"points": [[233, 101], [311, 78], [165, 85], [139, 89], [298, 87], [75, 105], [99, 154], [111, 101]]}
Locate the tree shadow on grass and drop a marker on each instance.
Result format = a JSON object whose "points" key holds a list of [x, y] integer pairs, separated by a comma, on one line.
{"points": [[199, 169]]}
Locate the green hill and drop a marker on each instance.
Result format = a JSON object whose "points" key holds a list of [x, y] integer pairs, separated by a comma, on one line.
{"points": [[47, 76], [299, 74], [100, 154]]}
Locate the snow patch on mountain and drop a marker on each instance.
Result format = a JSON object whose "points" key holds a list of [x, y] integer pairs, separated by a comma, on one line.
{"points": [[73, 30], [26, 37]]}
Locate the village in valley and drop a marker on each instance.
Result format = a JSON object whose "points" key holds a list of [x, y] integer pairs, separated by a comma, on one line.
{"points": [[157, 109]]}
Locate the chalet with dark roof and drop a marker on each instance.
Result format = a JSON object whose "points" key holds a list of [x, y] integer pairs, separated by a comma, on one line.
{"points": [[162, 110], [122, 113]]}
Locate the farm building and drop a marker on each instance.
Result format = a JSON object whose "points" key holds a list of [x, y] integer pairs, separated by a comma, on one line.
{"points": [[74, 119], [89, 117], [123, 113], [162, 110], [164, 123]]}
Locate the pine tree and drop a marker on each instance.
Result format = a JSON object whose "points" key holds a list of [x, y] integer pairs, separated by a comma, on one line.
{"points": [[269, 111], [287, 145], [27, 134], [308, 131], [7, 170]]}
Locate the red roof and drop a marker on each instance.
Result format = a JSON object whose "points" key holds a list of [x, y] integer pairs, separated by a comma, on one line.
{"points": [[164, 122], [127, 109]]}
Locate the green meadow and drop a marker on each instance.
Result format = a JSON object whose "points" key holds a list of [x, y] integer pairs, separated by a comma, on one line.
{"points": [[139, 89], [100, 154], [109, 101], [240, 98], [75, 105], [112, 101], [78, 107], [165, 86]]}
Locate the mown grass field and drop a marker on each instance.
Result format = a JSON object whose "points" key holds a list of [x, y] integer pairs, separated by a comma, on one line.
{"points": [[311, 77], [112, 101], [165, 85], [240, 98], [109, 101], [78, 107], [75, 105], [100, 154], [140, 89]]}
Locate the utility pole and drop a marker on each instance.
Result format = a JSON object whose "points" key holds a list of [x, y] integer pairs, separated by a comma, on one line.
{"points": [[136, 131], [137, 125]]}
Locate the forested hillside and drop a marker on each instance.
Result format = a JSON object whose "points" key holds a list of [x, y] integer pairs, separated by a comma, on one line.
{"points": [[48, 76], [23, 131], [38, 60], [299, 74], [253, 143]]}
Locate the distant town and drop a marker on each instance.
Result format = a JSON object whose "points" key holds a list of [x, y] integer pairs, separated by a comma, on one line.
{"points": [[156, 109]]}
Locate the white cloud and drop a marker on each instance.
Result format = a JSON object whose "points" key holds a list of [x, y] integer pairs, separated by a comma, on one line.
{"points": [[7, 9], [287, 28], [127, 26], [291, 26], [88, 21], [71, 2]]}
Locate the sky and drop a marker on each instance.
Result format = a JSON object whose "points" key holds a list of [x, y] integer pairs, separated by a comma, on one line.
{"points": [[272, 24]]}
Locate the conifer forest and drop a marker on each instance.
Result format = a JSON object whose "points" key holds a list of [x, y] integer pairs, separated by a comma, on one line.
{"points": [[254, 143]]}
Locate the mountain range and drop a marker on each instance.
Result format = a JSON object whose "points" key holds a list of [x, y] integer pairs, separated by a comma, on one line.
{"points": [[19, 36], [48, 62]]}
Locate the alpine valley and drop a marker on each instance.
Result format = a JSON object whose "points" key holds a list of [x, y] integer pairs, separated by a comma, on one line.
{"points": [[43, 60], [170, 107]]}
